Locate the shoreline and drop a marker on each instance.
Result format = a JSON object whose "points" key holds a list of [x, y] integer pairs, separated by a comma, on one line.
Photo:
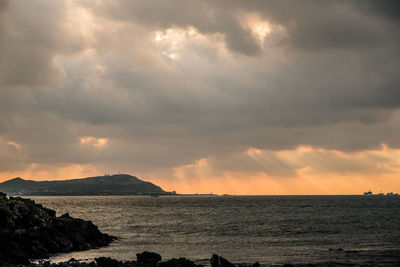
{"points": [[152, 259], [144, 259], [389, 257], [30, 231]]}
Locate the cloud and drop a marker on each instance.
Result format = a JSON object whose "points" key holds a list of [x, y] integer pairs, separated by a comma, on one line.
{"points": [[295, 162], [169, 84], [388, 9], [12, 156], [311, 24], [29, 42]]}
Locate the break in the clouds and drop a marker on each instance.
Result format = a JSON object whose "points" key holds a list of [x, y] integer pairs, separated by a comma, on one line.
{"points": [[152, 87]]}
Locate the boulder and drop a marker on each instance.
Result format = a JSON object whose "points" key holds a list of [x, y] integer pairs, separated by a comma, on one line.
{"points": [[107, 262], [148, 258], [218, 261]]}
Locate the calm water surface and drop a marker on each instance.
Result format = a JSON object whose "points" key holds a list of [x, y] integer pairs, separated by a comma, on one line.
{"points": [[244, 229]]}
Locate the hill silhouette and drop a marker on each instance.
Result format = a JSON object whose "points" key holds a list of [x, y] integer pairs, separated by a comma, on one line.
{"points": [[119, 184]]}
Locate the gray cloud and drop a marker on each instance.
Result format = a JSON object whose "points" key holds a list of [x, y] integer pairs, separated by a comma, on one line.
{"points": [[311, 24], [388, 9], [328, 79], [29, 42]]}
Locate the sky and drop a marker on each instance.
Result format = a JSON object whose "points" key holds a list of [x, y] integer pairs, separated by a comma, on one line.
{"points": [[228, 96]]}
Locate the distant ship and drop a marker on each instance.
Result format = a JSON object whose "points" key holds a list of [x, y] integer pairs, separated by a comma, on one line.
{"points": [[369, 193]]}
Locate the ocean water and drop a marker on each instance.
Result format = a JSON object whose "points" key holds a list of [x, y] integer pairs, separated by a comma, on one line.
{"points": [[244, 229]]}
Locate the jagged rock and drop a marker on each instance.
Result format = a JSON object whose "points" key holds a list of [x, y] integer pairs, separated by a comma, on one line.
{"points": [[148, 258], [145, 259], [31, 231], [107, 262], [218, 261]]}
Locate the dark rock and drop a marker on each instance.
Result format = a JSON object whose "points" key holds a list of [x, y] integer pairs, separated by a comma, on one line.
{"points": [[31, 231], [218, 261], [288, 265], [145, 259], [149, 258], [181, 262], [107, 262]]}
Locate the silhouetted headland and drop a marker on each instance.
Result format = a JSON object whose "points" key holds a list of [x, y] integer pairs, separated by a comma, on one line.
{"points": [[31, 231], [119, 184]]}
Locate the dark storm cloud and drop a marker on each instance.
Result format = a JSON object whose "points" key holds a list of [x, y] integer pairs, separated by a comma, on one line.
{"points": [[311, 24], [208, 17], [387, 8], [326, 76]]}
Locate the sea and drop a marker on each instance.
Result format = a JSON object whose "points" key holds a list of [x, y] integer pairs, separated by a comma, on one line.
{"points": [[271, 230]]}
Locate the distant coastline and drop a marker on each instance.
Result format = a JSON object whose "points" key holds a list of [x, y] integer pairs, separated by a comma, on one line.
{"points": [[389, 194], [107, 185]]}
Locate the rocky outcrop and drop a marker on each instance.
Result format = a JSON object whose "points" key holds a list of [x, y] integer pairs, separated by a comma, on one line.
{"points": [[31, 231], [218, 261], [144, 259], [148, 258]]}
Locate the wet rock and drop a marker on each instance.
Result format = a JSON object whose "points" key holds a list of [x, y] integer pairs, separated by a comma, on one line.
{"points": [[218, 261], [31, 231], [107, 262], [148, 258], [145, 259]]}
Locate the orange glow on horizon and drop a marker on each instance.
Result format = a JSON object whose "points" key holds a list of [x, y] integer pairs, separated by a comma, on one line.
{"points": [[264, 185], [312, 171]]}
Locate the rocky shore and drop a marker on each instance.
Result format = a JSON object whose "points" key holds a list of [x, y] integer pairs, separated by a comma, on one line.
{"points": [[30, 231], [144, 259]]}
